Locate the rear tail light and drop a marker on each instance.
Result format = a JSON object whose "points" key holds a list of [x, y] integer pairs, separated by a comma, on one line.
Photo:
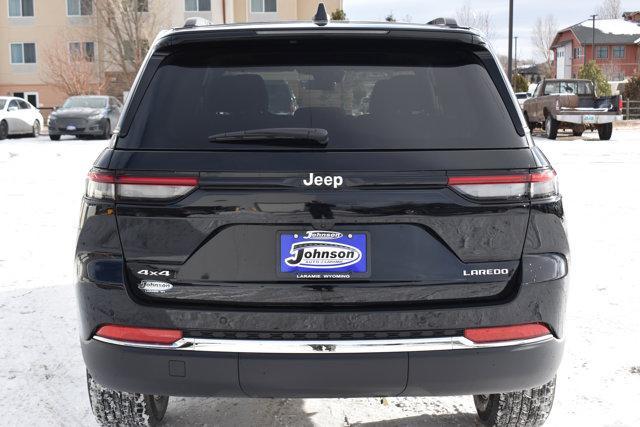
{"points": [[620, 103], [105, 185], [506, 333], [534, 185], [139, 335]]}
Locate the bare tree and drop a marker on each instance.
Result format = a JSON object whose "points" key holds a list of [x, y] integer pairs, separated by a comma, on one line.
{"points": [[610, 9], [469, 17], [544, 31], [73, 72], [125, 29]]}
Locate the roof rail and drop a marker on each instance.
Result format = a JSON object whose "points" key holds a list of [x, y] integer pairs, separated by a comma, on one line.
{"points": [[445, 22], [196, 21], [321, 18]]}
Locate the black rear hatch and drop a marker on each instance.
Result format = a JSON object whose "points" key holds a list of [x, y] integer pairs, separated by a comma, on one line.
{"points": [[399, 119]]}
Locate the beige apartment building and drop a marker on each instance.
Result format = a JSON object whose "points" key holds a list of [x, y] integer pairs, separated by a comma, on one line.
{"points": [[31, 29]]}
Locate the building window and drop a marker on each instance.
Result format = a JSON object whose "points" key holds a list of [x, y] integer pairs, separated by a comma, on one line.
{"points": [[82, 51], [20, 8], [577, 52], [79, 7], [602, 52], [263, 6], [23, 53], [197, 5], [31, 97], [618, 51]]}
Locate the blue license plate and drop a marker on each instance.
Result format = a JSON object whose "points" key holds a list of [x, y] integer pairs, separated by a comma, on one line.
{"points": [[324, 254]]}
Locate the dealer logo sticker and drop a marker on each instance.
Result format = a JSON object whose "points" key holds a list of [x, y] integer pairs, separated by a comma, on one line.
{"points": [[154, 286]]}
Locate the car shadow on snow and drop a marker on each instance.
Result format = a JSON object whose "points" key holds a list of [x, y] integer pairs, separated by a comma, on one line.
{"points": [[286, 412], [425, 420], [237, 412]]}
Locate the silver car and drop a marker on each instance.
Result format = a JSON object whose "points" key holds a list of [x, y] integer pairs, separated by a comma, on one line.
{"points": [[18, 117]]}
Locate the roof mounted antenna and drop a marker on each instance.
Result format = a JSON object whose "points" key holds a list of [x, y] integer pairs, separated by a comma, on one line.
{"points": [[321, 18], [444, 22]]}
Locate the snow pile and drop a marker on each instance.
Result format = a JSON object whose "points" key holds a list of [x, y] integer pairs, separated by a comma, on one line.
{"points": [[42, 380]]}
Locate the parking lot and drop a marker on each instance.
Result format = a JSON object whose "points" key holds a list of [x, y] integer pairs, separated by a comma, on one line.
{"points": [[42, 380]]}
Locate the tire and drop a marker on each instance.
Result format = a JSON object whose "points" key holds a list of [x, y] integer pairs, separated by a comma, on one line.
{"points": [[54, 137], [551, 127], [578, 131], [4, 130], [519, 408], [107, 130], [119, 408], [35, 130], [605, 131]]}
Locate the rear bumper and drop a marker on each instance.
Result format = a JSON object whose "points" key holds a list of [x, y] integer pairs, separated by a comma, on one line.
{"points": [[436, 371], [580, 118], [94, 128]]}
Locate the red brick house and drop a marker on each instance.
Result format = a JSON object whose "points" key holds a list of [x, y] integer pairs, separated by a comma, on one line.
{"points": [[617, 47]]}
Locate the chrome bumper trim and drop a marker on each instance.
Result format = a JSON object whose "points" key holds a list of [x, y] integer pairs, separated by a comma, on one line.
{"points": [[579, 118], [325, 346]]}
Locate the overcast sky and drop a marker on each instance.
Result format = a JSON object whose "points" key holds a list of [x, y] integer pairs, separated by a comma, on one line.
{"points": [[567, 13]]}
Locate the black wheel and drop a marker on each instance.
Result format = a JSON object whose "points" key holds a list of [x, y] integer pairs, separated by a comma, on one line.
{"points": [[107, 130], [551, 127], [578, 130], [605, 131], [54, 137], [35, 130], [519, 408], [119, 408], [4, 130]]}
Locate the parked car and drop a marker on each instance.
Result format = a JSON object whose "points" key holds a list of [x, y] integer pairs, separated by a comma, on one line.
{"points": [[571, 104], [416, 249], [521, 97], [85, 116], [18, 117]]}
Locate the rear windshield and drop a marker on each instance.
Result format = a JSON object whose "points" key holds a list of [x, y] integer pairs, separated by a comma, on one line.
{"points": [[407, 98]]}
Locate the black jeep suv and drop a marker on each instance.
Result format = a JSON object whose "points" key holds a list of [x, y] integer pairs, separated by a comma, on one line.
{"points": [[397, 233]]}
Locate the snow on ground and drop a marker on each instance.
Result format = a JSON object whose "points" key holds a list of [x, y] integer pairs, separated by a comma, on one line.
{"points": [[42, 375]]}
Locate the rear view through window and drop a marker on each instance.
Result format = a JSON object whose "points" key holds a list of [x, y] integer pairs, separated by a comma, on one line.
{"points": [[435, 99]]}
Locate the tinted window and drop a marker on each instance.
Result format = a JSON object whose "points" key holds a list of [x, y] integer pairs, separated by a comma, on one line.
{"points": [[421, 99], [2, 103], [23, 105]]}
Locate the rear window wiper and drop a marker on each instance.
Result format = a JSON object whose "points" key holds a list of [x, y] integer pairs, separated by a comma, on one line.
{"points": [[317, 136]]}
